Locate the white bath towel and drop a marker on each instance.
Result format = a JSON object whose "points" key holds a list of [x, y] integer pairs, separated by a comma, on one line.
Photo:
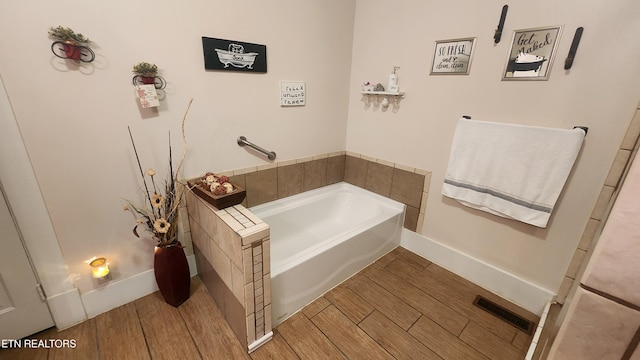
{"points": [[510, 170]]}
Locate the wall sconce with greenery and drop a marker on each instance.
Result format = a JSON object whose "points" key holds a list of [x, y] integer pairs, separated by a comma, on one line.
{"points": [[147, 74], [68, 44]]}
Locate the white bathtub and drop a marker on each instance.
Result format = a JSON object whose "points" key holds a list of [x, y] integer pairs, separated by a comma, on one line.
{"points": [[321, 237]]}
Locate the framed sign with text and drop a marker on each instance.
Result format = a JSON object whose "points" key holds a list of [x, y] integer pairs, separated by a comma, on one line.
{"points": [[231, 55], [452, 57], [532, 52]]}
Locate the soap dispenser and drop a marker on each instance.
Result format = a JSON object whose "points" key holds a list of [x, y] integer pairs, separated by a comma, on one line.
{"points": [[392, 86]]}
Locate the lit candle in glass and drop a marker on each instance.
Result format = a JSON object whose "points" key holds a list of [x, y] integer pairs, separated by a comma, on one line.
{"points": [[100, 268]]}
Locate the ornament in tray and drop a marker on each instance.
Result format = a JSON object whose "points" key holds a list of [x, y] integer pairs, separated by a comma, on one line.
{"points": [[217, 190]]}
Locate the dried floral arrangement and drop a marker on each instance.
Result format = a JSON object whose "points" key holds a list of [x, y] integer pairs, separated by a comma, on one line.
{"points": [[160, 215], [65, 34], [145, 68]]}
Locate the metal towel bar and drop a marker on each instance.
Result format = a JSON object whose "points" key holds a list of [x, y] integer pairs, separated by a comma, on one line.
{"points": [[242, 141], [584, 128]]}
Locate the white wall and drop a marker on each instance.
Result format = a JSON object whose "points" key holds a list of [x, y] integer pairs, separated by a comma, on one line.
{"points": [[600, 92], [74, 118]]}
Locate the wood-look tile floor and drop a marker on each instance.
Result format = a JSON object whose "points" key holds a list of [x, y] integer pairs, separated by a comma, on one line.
{"points": [[400, 307]]}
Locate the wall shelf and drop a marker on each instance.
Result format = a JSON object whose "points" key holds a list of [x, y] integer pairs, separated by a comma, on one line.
{"points": [[385, 93]]}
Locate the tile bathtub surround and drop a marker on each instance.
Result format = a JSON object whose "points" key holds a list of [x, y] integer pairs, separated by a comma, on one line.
{"points": [[233, 259], [407, 185]]}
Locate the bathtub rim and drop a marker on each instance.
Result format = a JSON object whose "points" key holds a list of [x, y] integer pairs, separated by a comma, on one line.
{"points": [[311, 195]]}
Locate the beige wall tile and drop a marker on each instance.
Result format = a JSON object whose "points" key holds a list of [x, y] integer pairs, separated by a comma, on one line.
{"points": [[368, 158], [423, 202], [602, 202], [267, 166], [411, 218], [407, 187], [220, 263], [589, 234], [255, 233], [247, 170], [405, 168], [251, 326], [208, 221], [385, 162], [266, 279], [355, 171], [286, 162], [564, 289], [315, 174], [247, 265], [262, 187], [576, 262], [251, 216], [420, 223], [192, 206], [266, 256], [237, 283], [229, 242], [427, 180], [335, 169], [183, 218], [249, 299], [290, 180], [268, 322], [617, 168], [379, 178], [633, 132], [304, 159]]}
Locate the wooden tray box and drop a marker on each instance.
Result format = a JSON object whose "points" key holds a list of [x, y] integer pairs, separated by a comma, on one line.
{"points": [[218, 201]]}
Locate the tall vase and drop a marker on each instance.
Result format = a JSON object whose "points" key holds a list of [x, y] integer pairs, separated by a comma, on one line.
{"points": [[172, 274]]}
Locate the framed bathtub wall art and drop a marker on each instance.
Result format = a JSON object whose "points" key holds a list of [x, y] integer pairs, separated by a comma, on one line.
{"points": [[531, 54], [453, 57], [231, 55]]}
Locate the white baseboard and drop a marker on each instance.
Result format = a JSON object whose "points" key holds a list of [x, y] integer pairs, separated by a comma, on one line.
{"points": [[256, 344], [517, 290], [118, 293], [66, 309]]}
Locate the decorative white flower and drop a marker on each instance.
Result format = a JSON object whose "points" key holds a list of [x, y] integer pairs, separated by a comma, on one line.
{"points": [[161, 225], [210, 179], [228, 187], [157, 200]]}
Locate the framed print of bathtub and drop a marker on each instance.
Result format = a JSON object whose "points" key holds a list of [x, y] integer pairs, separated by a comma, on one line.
{"points": [[230, 55], [532, 52], [452, 57]]}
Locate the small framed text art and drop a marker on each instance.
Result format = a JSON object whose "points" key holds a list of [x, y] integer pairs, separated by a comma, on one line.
{"points": [[452, 57], [532, 52], [292, 93]]}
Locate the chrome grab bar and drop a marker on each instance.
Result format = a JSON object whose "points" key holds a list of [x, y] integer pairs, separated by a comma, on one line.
{"points": [[242, 141]]}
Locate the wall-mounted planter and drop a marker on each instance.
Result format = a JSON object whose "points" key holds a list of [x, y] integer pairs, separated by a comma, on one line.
{"points": [[70, 45], [66, 50], [157, 81], [147, 74]]}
